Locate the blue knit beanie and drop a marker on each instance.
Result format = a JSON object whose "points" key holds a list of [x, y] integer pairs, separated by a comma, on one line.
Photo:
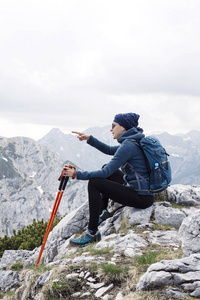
{"points": [[128, 120]]}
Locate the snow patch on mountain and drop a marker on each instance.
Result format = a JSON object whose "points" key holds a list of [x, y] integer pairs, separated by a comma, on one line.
{"points": [[40, 189]]}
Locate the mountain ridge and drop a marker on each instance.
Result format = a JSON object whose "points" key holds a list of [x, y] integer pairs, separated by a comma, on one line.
{"points": [[183, 150]]}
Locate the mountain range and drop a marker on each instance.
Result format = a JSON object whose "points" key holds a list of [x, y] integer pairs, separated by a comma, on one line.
{"points": [[184, 151]]}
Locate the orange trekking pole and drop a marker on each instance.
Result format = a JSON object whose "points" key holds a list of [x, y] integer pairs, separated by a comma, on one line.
{"points": [[63, 182]]}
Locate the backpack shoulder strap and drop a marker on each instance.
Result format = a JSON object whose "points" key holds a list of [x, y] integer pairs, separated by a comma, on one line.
{"points": [[137, 142]]}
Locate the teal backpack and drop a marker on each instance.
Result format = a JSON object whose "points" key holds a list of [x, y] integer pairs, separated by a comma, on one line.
{"points": [[157, 162]]}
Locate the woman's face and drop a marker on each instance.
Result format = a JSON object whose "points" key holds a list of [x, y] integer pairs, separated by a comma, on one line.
{"points": [[117, 130]]}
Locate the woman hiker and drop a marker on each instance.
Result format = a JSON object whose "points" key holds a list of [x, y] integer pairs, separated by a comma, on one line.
{"points": [[124, 186]]}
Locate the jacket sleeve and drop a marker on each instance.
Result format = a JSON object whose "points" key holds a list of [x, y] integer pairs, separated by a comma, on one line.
{"points": [[110, 150], [123, 153]]}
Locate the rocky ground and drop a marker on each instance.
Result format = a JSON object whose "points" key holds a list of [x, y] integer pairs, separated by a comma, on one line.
{"points": [[143, 254]]}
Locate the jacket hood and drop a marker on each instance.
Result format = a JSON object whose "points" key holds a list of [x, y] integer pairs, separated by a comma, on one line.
{"points": [[132, 133]]}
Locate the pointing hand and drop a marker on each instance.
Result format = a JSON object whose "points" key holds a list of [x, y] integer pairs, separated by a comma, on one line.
{"points": [[82, 136]]}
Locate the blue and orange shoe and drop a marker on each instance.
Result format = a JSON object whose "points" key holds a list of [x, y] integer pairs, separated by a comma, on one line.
{"points": [[85, 239], [104, 215]]}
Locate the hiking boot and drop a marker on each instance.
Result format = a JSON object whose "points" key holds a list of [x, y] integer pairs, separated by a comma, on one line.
{"points": [[85, 239], [105, 215]]}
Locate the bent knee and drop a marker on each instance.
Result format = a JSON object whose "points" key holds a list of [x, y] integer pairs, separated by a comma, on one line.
{"points": [[94, 182]]}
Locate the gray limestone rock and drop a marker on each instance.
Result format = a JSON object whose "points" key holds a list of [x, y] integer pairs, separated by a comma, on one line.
{"points": [[43, 279], [103, 290], [74, 222], [169, 216], [12, 256], [129, 244], [137, 216], [164, 238], [175, 293], [188, 195], [8, 280], [177, 272], [190, 234], [196, 293]]}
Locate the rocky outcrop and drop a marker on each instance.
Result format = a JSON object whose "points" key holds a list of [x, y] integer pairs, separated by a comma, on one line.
{"points": [[57, 242], [169, 216], [12, 256], [190, 234], [188, 195], [184, 273], [128, 234], [8, 280]]}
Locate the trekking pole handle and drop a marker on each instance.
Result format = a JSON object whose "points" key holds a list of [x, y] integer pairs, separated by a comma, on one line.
{"points": [[72, 167], [74, 174], [64, 179], [63, 172]]}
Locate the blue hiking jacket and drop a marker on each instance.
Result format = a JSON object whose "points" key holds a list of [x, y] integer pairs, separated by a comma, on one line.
{"points": [[127, 156]]}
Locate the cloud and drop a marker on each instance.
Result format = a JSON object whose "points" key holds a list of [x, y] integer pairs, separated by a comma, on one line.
{"points": [[77, 63]]}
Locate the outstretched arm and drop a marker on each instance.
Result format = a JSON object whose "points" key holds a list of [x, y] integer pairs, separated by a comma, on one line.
{"points": [[110, 150], [82, 136]]}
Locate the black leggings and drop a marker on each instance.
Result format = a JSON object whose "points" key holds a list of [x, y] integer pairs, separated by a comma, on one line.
{"points": [[101, 190]]}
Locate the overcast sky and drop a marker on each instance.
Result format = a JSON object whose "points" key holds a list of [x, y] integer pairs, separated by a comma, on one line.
{"points": [[75, 64]]}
